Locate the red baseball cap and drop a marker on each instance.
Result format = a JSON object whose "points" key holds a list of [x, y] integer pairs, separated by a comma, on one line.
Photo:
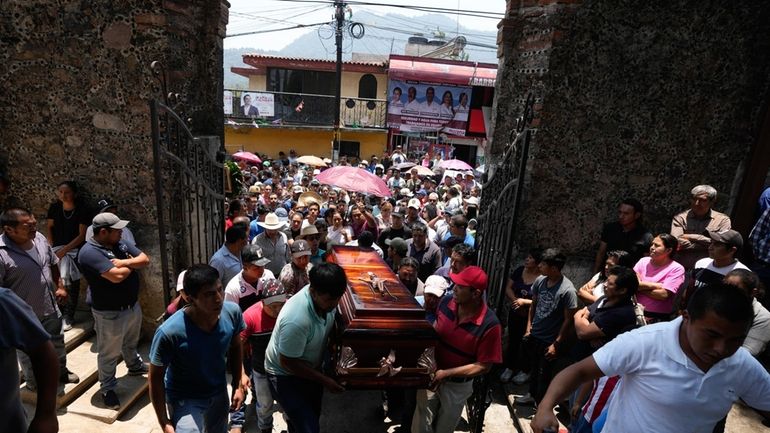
{"points": [[472, 276]]}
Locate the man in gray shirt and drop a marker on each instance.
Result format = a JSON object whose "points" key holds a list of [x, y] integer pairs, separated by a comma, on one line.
{"points": [[274, 243], [29, 267], [550, 322]]}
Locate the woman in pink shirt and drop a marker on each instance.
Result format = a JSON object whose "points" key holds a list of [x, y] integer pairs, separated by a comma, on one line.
{"points": [[659, 279]]}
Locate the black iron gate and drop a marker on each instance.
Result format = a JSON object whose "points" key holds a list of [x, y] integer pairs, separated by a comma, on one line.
{"points": [[500, 200], [189, 189]]}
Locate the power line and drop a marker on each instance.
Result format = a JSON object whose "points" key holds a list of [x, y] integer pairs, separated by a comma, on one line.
{"points": [[298, 26], [427, 26], [278, 20], [410, 33], [463, 12]]}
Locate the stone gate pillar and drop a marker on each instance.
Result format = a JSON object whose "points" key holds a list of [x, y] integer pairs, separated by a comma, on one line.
{"points": [[76, 80], [641, 100]]}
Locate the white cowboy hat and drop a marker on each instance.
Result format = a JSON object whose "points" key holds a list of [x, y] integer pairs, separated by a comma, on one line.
{"points": [[271, 222]]}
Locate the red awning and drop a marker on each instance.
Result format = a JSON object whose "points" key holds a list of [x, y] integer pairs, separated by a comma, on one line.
{"points": [[442, 71]]}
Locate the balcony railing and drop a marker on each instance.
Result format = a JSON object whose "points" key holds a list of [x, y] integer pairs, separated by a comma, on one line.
{"points": [[306, 109]]}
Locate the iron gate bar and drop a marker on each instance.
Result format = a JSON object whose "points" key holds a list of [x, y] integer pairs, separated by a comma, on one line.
{"points": [[189, 187], [495, 238]]}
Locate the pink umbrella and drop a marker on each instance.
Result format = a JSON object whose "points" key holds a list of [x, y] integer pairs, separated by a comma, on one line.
{"points": [[455, 164], [354, 179], [247, 156]]}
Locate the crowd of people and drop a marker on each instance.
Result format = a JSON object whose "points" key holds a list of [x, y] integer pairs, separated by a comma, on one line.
{"points": [[658, 328]]}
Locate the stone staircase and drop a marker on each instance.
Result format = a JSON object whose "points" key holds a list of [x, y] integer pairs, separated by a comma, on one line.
{"points": [[83, 398]]}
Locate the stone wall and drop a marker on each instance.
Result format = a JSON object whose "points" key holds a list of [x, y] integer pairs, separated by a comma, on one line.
{"points": [[76, 81], [632, 99]]}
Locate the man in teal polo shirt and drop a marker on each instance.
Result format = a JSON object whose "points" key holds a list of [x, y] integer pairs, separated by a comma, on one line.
{"points": [[294, 354]]}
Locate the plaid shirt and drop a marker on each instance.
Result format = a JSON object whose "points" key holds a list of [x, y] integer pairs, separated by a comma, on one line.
{"points": [[760, 237]]}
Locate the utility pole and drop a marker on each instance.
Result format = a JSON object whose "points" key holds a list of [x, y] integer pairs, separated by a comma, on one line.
{"points": [[339, 15]]}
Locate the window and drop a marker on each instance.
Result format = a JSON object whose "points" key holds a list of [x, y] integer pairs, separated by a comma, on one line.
{"points": [[367, 87], [350, 148], [297, 81]]}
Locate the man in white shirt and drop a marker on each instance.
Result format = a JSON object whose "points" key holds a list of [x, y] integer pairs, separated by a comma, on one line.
{"points": [[412, 105], [676, 376], [430, 106]]}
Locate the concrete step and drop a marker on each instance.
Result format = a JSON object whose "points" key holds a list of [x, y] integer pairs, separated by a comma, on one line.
{"points": [[81, 361], [129, 390], [81, 331]]}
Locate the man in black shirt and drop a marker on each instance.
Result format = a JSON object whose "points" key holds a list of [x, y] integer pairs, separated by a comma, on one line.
{"points": [[109, 265], [397, 228], [627, 234]]}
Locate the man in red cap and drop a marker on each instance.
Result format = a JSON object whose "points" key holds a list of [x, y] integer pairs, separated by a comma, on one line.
{"points": [[470, 342]]}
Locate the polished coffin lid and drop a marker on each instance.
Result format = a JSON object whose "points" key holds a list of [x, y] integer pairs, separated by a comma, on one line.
{"points": [[364, 308], [374, 323]]}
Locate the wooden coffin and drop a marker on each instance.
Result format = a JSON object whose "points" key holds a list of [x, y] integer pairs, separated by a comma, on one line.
{"points": [[382, 338]]}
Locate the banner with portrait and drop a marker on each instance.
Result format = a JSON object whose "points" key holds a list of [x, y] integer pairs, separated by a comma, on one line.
{"points": [[422, 107], [250, 104]]}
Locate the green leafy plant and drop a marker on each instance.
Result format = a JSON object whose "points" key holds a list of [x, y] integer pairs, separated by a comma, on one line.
{"points": [[236, 179]]}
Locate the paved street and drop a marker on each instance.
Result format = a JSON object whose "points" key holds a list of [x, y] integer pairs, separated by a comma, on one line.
{"points": [[351, 412], [357, 412]]}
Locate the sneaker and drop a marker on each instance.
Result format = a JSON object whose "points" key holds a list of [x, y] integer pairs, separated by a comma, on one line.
{"points": [[506, 375], [525, 399], [68, 377], [66, 324], [110, 400], [138, 371], [521, 378]]}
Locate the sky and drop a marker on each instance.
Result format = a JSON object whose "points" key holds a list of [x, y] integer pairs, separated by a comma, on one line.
{"points": [[253, 15]]}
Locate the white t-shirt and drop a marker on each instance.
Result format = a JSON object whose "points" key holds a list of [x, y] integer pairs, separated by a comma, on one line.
{"points": [[238, 288], [662, 391], [335, 237], [598, 290]]}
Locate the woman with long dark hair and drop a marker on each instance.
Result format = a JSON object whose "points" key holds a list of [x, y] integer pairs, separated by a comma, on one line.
{"points": [[594, 288], [67, 220]]}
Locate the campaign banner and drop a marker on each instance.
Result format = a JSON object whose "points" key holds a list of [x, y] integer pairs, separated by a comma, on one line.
{"points": [[254, 104], [228, 101], [421, 107]]}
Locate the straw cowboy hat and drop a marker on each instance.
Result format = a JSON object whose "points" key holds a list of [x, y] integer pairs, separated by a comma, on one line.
{"points": [[306, 198], [271, 222]]}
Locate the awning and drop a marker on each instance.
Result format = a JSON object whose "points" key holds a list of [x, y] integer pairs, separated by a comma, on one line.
{"points": [[442, 71]]}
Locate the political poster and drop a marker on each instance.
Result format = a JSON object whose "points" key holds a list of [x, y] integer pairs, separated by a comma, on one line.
{"points": [[422, 107], [228, 101], [253, 104]]}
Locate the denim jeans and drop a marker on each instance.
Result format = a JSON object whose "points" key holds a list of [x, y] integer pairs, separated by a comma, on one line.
{"points": [[300, 400], [200, 415], [263, 400], [52, 324], [117, 333], [71, 305]]}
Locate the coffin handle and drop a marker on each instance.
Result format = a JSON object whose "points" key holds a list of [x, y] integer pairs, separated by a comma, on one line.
{"points": [[347, 359], [386, 365]]}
